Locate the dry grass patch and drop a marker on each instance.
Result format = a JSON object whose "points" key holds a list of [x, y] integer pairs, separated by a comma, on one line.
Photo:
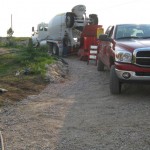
{"points": [[19, 88]]}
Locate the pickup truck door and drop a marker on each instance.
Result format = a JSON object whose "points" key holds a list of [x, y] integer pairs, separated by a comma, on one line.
{"points": [[106, 47]]}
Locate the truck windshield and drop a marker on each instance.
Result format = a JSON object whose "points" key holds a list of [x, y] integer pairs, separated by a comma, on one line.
{"points": [[125, 31]]}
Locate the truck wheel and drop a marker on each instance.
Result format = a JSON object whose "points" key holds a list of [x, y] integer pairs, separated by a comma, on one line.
{"points": [[93, 19], [69, 20], [55, 50], [50, 48], [115, 84], [100, 65]]}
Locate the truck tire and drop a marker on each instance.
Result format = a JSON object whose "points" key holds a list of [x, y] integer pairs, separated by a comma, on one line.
{"points": [[69, 19], [93, 19], [50, 48], [115, 84], [55, 50], [100, 65]]}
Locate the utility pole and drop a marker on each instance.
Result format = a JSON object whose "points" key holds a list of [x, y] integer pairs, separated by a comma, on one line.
{"points": [[11, 21], [10, 30]]}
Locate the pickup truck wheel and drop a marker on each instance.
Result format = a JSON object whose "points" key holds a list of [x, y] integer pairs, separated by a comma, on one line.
{"points": [[69, 20], [100, 65], [115, 84], [55, 50]]}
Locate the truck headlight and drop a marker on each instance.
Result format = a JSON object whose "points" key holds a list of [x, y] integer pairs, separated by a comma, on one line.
{"points": [[123, 56]]}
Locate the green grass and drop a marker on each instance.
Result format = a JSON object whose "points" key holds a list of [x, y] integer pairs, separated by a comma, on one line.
{"points": [[8, 64], [31, 64], [29, 58]]}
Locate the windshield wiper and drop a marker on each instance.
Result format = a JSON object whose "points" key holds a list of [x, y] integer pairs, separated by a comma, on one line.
{"points": [[130, 37], [147, 37], [124, 37]]}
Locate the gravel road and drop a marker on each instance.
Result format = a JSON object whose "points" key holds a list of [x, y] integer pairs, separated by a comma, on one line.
{"points": [[79, 114]]}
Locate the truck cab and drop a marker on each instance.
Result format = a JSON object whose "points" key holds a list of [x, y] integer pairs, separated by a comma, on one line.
{"points": [[39, 35], [125, 50]]}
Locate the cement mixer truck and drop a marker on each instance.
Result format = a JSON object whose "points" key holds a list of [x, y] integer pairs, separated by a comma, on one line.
{"points": [[70, 23]]}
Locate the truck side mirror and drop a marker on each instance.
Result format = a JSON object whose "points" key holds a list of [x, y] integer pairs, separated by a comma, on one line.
{"points": [[32, 29], [104, 37]]}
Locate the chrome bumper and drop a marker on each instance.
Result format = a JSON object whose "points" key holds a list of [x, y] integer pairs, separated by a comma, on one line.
{"points": [[133, 76]]}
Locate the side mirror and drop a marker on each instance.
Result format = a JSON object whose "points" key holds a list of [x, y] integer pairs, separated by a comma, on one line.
{"points": [[104, 37], [32, 29]]}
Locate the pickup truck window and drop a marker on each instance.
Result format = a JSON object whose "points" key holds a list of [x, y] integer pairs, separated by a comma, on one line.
{"points": [[132, 31]]}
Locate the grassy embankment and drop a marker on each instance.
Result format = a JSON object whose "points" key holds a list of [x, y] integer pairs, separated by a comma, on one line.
{"points": [[22, 70]]}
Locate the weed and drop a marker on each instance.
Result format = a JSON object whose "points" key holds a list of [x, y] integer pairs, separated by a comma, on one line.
{"points": [[22, 72]]}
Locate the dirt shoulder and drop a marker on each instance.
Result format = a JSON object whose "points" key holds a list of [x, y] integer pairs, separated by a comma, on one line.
{"points": [[79, 114]]}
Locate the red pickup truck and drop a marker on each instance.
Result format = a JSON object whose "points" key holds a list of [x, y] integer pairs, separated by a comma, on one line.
{"points": [[125, 50]]}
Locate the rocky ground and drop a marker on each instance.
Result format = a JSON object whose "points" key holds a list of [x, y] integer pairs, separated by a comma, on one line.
{"points": [[79, 114]]}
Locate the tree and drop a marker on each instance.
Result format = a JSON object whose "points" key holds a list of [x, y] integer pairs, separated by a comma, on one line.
{"points": [[10, 41], [10, 32]]}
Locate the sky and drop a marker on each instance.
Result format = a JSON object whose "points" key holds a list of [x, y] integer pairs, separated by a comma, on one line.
{"points": [[28, 13]]}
